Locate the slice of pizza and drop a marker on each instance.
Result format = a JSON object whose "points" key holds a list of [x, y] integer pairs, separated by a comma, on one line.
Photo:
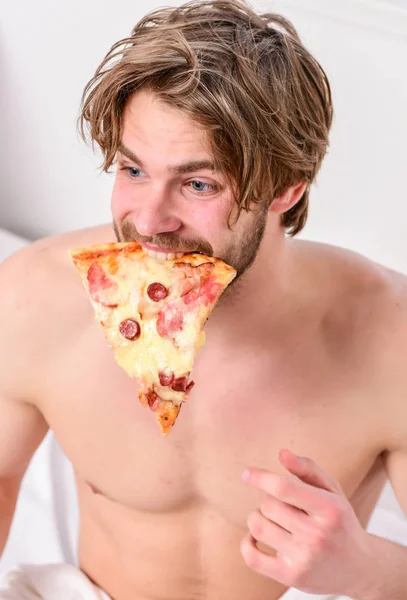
{"points": [[152, 313]]}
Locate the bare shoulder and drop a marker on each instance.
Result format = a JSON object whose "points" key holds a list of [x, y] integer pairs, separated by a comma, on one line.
{"points": [[376, 296], [41, 303], [57, 246], [34, 274], [367, 294], [365, 328]]}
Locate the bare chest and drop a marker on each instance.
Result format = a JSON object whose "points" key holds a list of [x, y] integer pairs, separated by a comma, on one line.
{"points": [[241, 412]]}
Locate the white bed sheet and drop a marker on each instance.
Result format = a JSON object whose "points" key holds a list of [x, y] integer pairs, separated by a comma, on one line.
{"points": [[45, 526]]}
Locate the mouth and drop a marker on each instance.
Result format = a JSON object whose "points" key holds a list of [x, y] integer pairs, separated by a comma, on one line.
{"points": [[161, 253]]}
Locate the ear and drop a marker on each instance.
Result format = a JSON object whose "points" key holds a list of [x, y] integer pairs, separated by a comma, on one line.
{"points": [[288, 199]]}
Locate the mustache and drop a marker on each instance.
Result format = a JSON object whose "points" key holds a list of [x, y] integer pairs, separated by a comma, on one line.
{"points": [[128, 233]]}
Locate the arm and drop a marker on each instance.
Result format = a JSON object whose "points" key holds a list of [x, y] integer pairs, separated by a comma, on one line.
{"points": [[386, 570], [385, 575], [21, 430], [22, 426]]}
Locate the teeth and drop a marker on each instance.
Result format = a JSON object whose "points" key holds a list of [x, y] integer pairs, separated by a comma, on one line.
{"points": [[163, 255]]}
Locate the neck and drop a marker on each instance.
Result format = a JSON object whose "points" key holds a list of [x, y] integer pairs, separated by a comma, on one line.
{"points": [[263, 290]]}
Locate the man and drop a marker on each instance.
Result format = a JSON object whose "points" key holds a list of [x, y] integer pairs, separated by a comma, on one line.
{"points": [[217, 119]]}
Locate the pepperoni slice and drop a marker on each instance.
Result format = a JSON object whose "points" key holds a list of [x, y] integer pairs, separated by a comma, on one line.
{"points": [[153, 400], [166, 379], [180, 384], [130, 329], [190, 386], [101, 287], [157, 291]]}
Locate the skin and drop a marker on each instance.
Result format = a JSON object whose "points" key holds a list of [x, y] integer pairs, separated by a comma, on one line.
{"points": [[304, 354], [195, 210]]}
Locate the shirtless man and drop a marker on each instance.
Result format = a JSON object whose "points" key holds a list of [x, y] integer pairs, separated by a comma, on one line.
{"points": [[305, 353]]}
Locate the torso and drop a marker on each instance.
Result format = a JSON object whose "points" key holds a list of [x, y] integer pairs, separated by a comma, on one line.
{"points": [[162, 518]]}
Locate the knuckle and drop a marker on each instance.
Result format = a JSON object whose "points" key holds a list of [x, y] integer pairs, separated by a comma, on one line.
{"points": [[250, 557], [300, 566], [252, 560], [317, 545], [255, 524], [334, 515]]}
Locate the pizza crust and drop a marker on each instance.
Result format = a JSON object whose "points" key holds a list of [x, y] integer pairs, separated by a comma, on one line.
{"points": [[106, 254]]}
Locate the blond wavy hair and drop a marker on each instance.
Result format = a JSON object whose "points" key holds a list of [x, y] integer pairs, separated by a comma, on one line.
{"points": [[246, 77]]}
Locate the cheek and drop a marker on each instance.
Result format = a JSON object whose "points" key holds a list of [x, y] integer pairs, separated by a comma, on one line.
{"points": [[117, 199], [209, 219], [122, 202]]}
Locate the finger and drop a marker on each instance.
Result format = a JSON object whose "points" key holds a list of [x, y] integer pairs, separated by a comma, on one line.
{"points": [[270, 566], [267, 532], [288, 489], [290, 518], [308, 471]]}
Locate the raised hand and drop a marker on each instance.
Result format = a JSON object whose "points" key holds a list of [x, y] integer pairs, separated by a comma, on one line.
{"points": [[321, 546]]}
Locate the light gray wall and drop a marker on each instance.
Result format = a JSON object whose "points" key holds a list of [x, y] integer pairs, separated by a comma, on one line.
{"points": [[50, 182]]}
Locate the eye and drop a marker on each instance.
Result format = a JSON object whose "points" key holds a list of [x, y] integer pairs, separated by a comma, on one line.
{"points": [[133, 172], [201, 187]]}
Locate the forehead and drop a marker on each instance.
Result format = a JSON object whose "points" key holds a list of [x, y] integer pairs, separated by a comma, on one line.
{"points": [[151, 125]]}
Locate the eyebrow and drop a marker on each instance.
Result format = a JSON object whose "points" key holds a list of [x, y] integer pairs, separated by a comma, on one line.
{"points": [[189, 167]]}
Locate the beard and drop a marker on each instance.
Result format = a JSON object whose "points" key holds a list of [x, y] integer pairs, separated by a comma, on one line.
{"points": [[127, 232], [243, 251], [240, 254]]}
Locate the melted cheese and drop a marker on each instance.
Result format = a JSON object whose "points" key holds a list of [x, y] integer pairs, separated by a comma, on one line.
{"points": [[121, 279], [145, 357]]}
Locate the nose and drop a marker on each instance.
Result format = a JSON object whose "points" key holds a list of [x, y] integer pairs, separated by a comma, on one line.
{"points": [[155, 215]]}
